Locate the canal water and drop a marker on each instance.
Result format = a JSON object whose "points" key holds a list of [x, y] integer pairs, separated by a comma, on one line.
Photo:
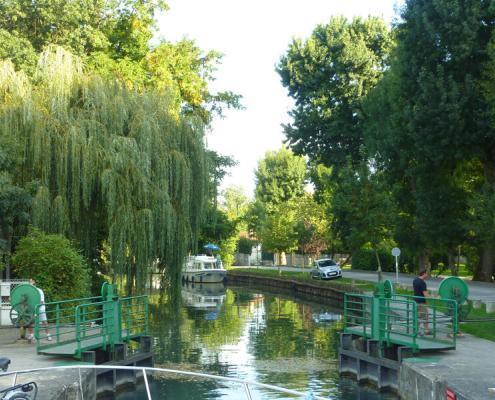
{"points": [[247, 334]]}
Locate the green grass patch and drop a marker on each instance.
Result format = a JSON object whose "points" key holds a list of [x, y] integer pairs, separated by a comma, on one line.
{"points": [[345, 284], [463, 271], [403, 291], [484, 327], [485, 330]]}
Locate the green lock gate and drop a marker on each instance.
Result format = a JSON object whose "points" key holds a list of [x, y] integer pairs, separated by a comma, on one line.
{"points": [[79, 325], [394, 319]]}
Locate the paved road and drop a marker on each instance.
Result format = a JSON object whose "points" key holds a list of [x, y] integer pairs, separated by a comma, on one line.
{"points": [[477, 290]]}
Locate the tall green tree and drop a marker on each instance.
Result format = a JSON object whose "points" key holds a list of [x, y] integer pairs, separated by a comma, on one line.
{"points": [[110, 164], [433, 116], [363, 210], [223, 232], [280, 177], [15, 204], [278, 233], [312, 226], [15, 201], [113, 39], [327, 76], [235, 203]]}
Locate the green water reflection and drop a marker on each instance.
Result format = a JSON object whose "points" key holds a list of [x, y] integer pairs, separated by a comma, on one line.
{"points": [[236, 332]]}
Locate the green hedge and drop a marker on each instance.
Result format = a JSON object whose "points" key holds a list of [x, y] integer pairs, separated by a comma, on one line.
{"points": [[58, 268], [245, 245], [365, 259]]}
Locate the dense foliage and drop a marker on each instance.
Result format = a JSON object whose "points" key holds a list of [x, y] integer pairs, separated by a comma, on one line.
{"points": [[245, 245], [102, 133], [328, 75], [367, 259], [280, 178], [113, 39], [283, 216], [55, 264], [108, 164], [406, 128]]}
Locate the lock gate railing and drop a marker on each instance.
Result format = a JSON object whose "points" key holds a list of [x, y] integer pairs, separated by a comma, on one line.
{"points": [[73, 326], [399, 320]]}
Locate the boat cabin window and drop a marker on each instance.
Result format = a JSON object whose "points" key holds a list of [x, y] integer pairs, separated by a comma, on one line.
{"points": [[209, 265]]}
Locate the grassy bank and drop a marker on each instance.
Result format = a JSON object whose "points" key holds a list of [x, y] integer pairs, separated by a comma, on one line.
{"points": [[344, 284], [481, 328], [485, 330]]}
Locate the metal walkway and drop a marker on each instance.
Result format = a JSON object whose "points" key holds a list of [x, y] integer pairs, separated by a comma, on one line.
{"points": [[71, 348], [79, 325], [397, 320], [425, 343]]}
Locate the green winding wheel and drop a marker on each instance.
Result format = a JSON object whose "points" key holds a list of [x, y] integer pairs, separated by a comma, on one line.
{"points": [[24, 299], [108, 291], [385, 289], [454, 288], [388, 288], [21, 315]]}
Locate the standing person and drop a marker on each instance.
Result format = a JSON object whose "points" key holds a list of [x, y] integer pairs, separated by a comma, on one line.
{"points": [[420, 294], [41, 314]]}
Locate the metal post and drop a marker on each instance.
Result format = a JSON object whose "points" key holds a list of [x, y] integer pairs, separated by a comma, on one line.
{"points": [[415, 324], [146, 384], [146, 316], [407, 316], [83, 323], [434, 321], [246, 389], [345, 309], [397, 270], [78, 330], [57, 323], [375, 318], [80, 384], [37, 322]]}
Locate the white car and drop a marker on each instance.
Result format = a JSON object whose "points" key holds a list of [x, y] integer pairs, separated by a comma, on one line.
{"points": [[326, 268]]}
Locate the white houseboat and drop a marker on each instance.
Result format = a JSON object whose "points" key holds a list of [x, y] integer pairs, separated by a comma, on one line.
{"points": [[203, 297], [203, 269]]}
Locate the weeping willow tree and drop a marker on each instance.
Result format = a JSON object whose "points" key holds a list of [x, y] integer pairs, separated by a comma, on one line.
{"points": [[109, 164]]}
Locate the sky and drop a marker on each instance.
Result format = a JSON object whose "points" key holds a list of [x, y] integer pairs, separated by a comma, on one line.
{"points": [[252, 36]]}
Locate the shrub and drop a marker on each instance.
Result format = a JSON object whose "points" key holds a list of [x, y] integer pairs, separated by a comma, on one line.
{"points": [[365, 259], [59, 269], [245, 245]]}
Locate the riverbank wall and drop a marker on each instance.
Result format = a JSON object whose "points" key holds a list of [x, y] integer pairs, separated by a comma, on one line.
{"points": [[329, 293], [466, 373]]}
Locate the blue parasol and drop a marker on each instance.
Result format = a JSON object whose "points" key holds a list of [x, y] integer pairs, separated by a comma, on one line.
{"points": [[211, 246]]}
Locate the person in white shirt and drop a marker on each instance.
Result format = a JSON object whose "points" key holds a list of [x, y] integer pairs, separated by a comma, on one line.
{"points": [[41, 314]]}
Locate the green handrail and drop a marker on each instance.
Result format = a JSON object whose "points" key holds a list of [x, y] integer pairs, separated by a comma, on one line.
{"points": [[92, 322], [396, 320]]}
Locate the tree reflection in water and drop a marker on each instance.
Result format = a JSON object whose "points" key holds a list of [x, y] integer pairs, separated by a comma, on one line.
{"points": [[237, 332]]}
